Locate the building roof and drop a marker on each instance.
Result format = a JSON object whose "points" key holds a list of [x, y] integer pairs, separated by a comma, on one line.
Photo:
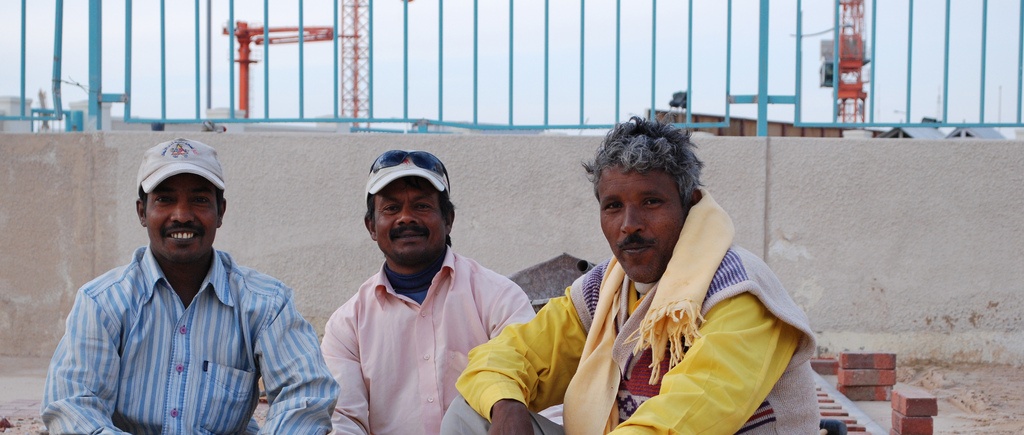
{"points": [[976, 132], [549, 279], [914, 133]]}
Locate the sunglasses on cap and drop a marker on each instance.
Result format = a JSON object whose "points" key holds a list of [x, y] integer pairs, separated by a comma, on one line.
{"points": [[421, 159]]}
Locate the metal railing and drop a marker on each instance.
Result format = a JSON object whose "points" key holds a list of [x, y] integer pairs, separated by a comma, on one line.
{"points": [[542, 65], [23, 111]]}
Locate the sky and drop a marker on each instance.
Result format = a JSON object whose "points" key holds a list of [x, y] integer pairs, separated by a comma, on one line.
{"points": [[668, 31]]}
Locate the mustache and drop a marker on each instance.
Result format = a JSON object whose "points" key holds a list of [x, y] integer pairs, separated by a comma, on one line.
{"points": [[409, 230], [199, 231], [634, 241]]}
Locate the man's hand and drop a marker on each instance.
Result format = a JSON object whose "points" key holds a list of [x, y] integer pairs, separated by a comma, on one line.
{"points": [[510, 417]]}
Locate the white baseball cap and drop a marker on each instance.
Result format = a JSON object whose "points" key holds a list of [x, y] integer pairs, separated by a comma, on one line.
{"points": [[179, 156], [396, 164]]}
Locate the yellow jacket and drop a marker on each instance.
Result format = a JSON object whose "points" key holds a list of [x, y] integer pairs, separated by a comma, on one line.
{"points": [[724, 377]]}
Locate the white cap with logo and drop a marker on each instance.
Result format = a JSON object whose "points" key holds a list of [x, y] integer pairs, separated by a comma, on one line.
{"points": [[179, 156]]}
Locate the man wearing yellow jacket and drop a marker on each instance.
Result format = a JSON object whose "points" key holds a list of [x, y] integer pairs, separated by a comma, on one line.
{"points": [[679, 332]]}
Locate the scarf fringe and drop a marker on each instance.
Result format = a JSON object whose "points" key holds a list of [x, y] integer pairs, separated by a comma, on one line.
{"points": [[674, 326]]}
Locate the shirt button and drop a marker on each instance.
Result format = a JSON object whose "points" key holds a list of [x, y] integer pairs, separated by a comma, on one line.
{"points": [[183, 330], [180, 368], [174, 413], [431, 400], [423, 314], [426, 357]]}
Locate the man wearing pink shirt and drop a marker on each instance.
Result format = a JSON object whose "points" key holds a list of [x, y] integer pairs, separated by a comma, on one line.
{"points": [[398, 346]]}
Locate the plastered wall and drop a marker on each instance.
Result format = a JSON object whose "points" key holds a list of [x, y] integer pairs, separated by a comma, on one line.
{"points": [[914, 247]]}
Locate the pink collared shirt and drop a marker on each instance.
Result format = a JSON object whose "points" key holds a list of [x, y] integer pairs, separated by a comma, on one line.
{"points": [[397, 361]]}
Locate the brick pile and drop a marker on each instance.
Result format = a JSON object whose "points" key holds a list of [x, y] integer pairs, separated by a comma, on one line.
{"points": [[912, 411], [864, 376], [825, 366], [829, 409]]}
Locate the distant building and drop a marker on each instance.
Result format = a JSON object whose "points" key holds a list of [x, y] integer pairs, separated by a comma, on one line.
{"points": [[748, 126], [976, 133], [913, 133]]}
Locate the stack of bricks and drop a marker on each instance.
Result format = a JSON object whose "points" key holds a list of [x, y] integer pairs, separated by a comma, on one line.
{"points": [[829, 409], [912, 411], [827, 366], [866, 376], [827, 406]]}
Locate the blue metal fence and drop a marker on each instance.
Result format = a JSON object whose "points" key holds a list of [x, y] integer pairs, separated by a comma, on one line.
{"points": [[23, 112], [537, 64]]}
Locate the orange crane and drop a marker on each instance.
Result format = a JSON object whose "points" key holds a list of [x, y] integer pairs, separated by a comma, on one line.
{"points": [[850, 92], [255, 34]]}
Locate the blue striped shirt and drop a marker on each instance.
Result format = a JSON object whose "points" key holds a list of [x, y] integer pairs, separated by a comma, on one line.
{"points": [[134, 359]]}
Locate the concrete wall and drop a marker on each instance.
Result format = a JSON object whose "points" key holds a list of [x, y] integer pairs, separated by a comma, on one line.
{"points": [[890, 245]]}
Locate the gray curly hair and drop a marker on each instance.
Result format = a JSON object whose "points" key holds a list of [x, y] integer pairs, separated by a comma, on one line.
{"points": [[642, 145]]}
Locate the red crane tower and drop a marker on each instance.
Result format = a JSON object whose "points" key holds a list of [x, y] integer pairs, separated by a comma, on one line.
{"points": [[355, 55], [286, 35], [850, 92]]}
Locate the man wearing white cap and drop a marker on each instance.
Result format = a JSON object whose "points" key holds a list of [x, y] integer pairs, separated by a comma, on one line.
{"points": [[177, 340], [398, 346]]}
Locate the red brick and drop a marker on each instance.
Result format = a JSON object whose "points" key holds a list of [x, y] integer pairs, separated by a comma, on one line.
{"points": [[857, 377], [867, 360], [904, 425], [914, 402], [873, 393], [825, 366]]}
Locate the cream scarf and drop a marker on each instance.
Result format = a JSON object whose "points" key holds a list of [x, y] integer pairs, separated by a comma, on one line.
{"points": [[672, 320]]}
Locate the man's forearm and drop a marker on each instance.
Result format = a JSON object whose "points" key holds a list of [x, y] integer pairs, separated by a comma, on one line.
{"points": [[77, 415], [300, 415], [510, 417], [300, 386]]}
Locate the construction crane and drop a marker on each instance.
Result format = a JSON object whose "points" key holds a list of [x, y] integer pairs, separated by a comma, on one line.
{"points": [[355, 56], [850, 93], [255, 35]]}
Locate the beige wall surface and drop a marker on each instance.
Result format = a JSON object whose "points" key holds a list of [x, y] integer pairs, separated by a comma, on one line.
{"points": [[914, 247]]}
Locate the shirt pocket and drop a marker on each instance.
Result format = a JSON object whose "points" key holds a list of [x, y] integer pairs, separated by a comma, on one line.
{"points": [[227, 397]]}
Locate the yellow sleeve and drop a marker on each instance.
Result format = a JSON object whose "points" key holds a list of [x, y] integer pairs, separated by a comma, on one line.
{"points": [[530, 362], [725, 375]]}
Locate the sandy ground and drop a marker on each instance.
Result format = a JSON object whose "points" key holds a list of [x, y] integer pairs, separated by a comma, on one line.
{"points": [[34, 425], [973, 398]]}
